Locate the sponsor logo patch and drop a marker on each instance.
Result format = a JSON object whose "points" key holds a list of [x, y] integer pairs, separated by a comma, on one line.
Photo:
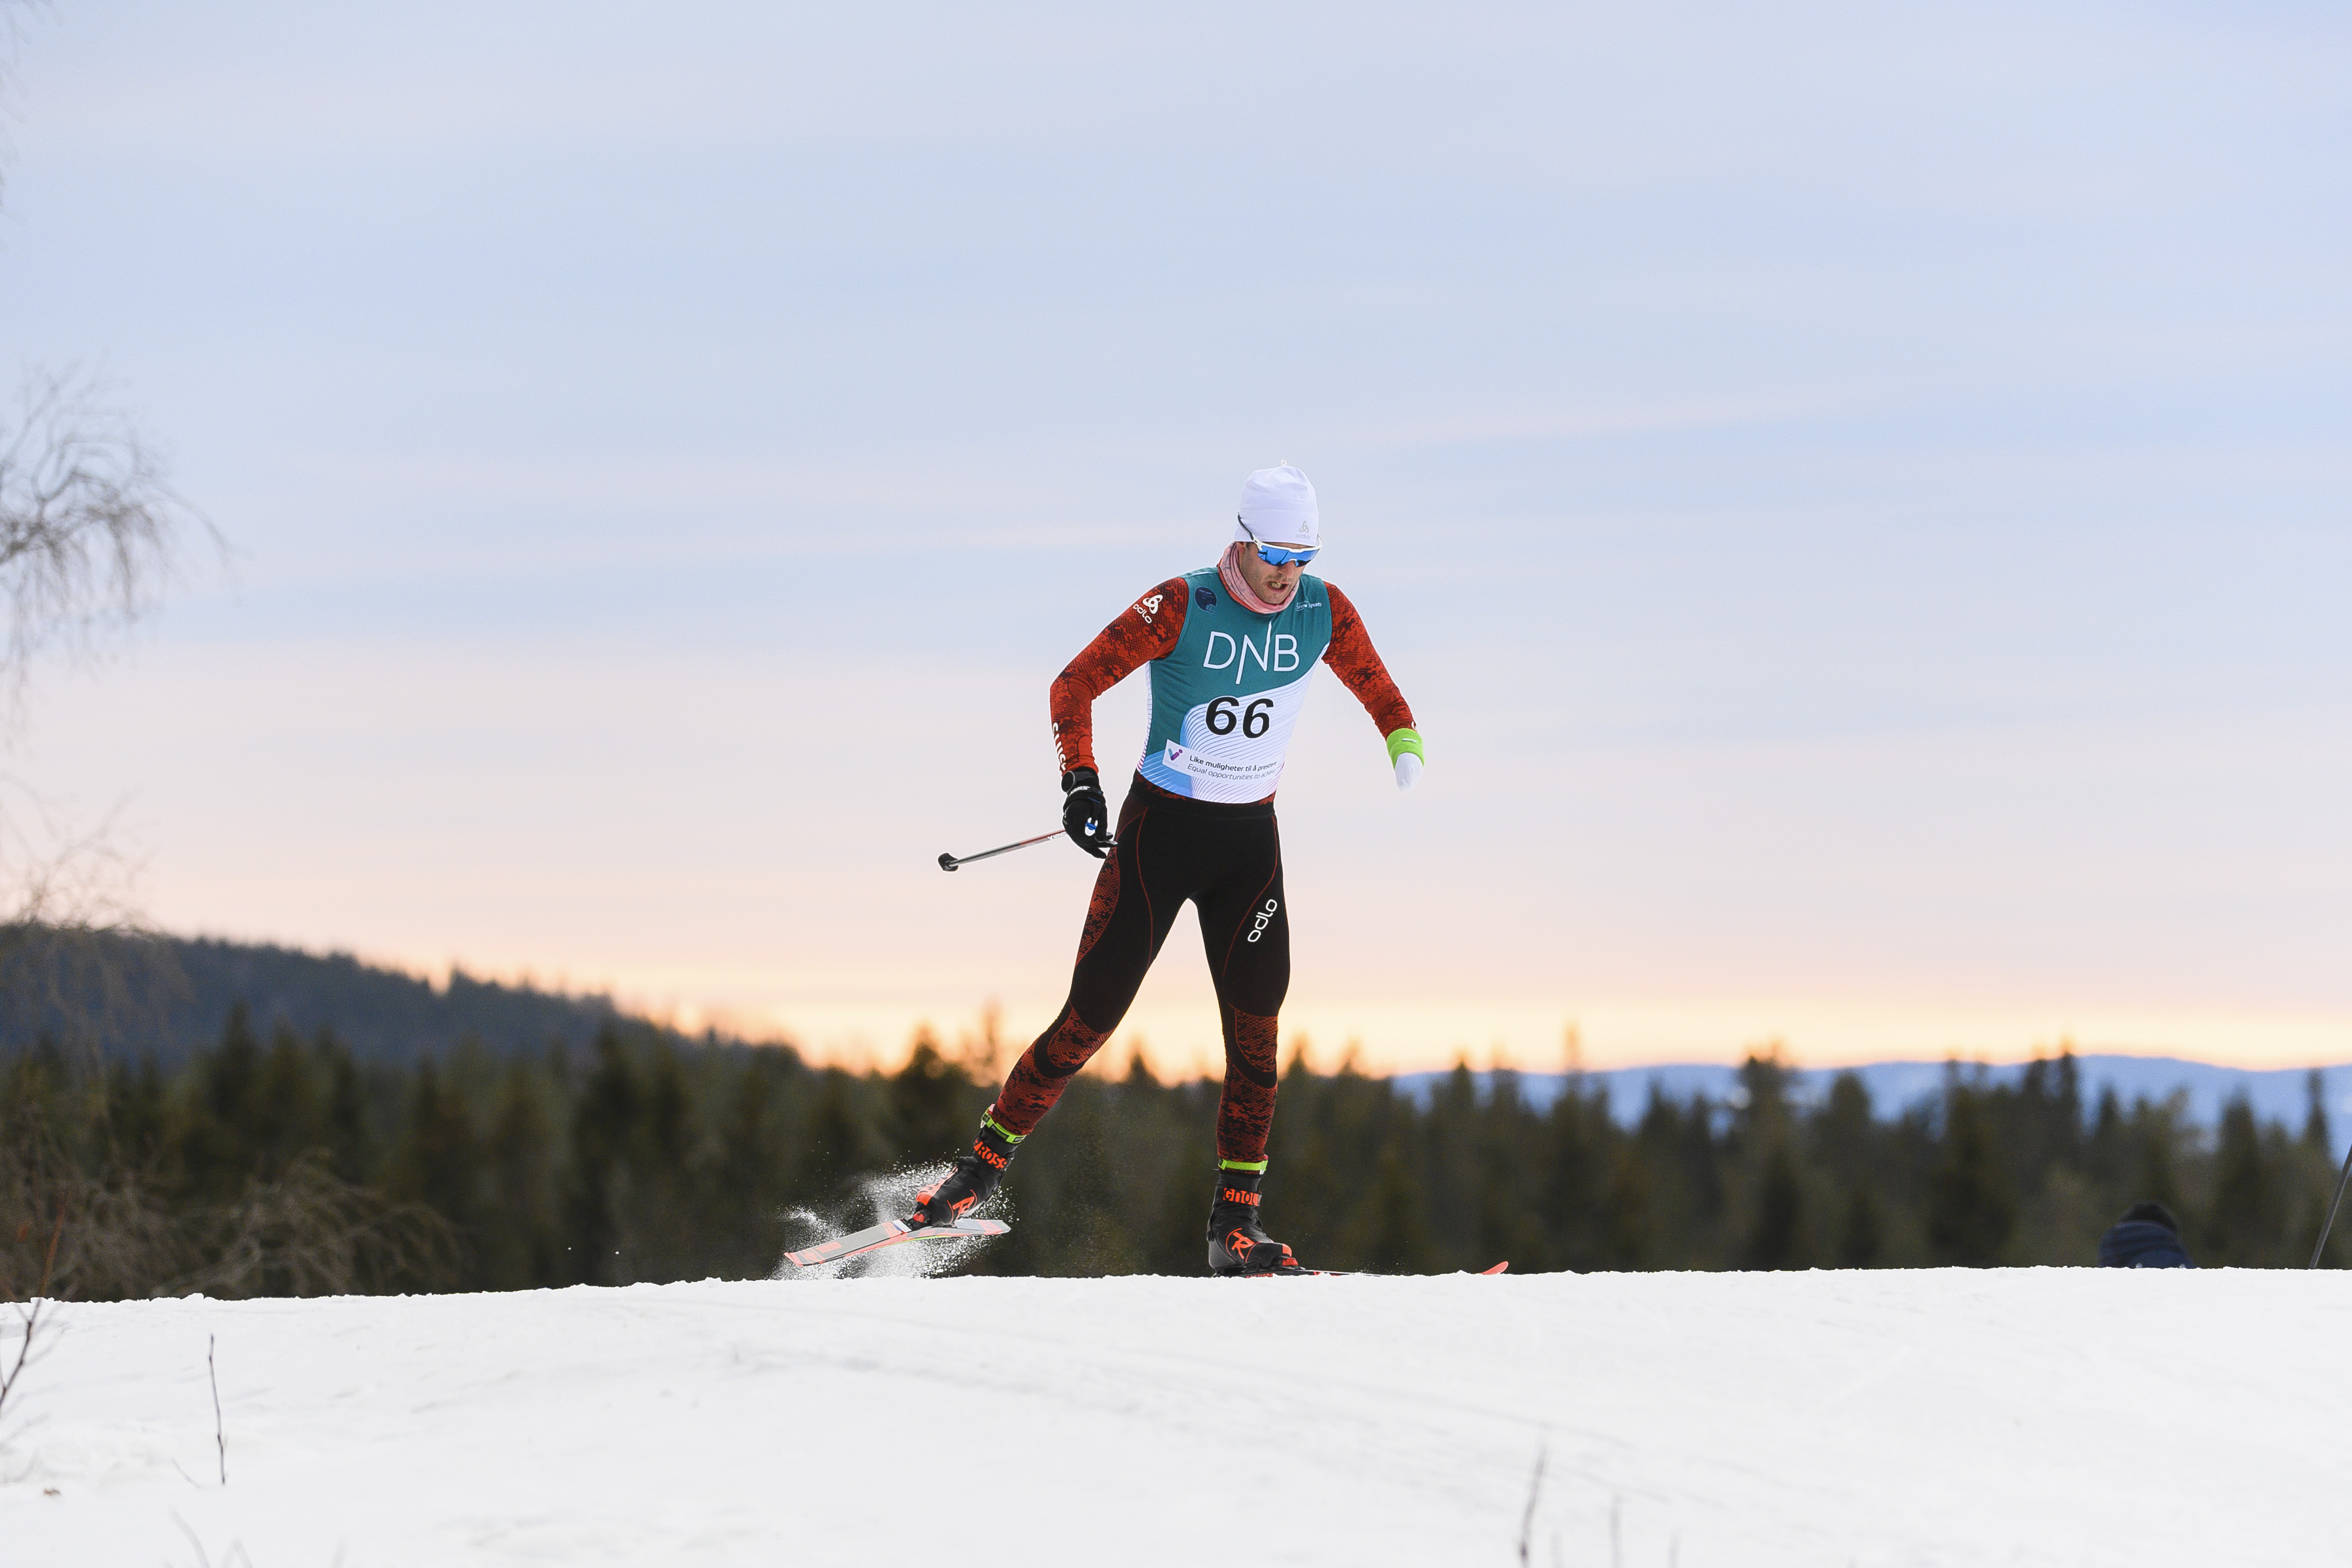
{"points": [[1184, 759], [1148, 608], [1265, 918], [1206, 598]]}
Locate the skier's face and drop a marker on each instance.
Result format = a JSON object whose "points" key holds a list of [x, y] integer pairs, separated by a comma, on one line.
{"points": [[1274, 584]]}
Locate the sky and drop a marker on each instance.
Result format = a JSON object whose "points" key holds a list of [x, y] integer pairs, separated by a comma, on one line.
{"points": [[1855, 494]]}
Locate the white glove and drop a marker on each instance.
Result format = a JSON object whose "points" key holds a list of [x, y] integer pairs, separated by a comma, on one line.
{"points": [[1404, 751]]}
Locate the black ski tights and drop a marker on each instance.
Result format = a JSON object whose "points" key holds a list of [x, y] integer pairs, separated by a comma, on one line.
{"points": [[1228, 860]]}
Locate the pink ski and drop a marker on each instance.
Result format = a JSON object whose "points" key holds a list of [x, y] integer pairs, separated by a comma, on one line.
{"points": [[891, 1233], [1354, 1273]]}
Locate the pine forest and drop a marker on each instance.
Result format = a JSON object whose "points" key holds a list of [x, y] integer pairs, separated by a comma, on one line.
{"points": [[285, 1165]]}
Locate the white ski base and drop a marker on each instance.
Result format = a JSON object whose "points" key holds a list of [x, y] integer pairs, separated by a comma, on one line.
{"points": [[2077, 1418]]}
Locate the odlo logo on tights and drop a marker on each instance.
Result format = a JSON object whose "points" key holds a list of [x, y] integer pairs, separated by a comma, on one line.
{"points": [[1265, 918]]}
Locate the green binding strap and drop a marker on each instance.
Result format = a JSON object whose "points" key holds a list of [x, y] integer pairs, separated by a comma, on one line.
{"points": [[1404, 740], [990, 1122], [1256, 1168]]}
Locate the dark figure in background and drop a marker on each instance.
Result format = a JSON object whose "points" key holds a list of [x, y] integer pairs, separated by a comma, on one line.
{"points": [[2146, 1237]]}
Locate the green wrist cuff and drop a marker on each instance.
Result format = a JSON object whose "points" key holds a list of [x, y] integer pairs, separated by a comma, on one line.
{"points": [[1404, 740]]}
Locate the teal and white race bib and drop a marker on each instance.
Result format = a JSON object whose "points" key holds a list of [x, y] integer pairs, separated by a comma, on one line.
{"points": [[1224, 702]]}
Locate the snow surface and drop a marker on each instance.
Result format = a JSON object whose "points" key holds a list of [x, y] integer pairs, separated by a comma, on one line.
{"points": [[2070, 1417]]}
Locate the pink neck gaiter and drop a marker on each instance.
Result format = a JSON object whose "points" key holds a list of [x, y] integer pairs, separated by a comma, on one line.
{"points": [[1228, 567]]}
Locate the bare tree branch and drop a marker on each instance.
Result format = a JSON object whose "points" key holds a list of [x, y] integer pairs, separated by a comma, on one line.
{"points": [[220, 1437], [89, 535], [89, 529], [1535, 1492], [29, 1315], [89, 524], [310, 1233]]}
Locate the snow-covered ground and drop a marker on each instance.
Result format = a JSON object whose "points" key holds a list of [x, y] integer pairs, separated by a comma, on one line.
{"points": [[2032, 1417]]}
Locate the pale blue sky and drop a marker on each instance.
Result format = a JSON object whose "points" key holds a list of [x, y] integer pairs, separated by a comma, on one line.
{"points": [[1857, 495]]}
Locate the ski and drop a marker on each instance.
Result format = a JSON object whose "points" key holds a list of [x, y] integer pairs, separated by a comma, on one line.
{"points": [[1357, 1273], [891, 1233]]}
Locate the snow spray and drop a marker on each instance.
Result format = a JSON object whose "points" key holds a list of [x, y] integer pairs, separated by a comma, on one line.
{"points": [[889, 1195]]}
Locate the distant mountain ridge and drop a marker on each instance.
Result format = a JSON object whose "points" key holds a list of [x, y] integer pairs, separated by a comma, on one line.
{"points": [[2281, 1094], [382, 1014]]}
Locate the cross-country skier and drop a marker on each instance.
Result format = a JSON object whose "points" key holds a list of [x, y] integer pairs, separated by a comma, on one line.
{"points": [[1230, 648]]}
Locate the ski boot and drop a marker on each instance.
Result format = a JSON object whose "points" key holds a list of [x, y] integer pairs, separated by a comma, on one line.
{"points": [[1236, 1244], [973, 1180]]}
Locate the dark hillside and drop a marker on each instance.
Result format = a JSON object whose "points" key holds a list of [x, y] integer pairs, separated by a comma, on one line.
{"points": [[185, 989]]}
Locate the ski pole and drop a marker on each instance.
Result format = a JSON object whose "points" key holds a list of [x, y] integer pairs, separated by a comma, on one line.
{"points": [[949, 862], [2321, 1246]]}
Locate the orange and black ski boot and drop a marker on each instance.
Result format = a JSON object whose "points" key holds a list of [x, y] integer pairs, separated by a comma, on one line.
{"points": [[970, 1182], [1236, 1244]]}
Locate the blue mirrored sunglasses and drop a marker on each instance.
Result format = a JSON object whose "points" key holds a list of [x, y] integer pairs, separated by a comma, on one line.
{"points": [[1276, 555]]}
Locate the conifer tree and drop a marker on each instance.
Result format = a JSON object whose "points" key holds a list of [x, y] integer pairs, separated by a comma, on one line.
{"points": [[1861, 1233], [1776, 1239], [2247, 1221], [1392, 1229], [523, 1246], [930, 1107], [1580, 1158], [439, 1159], [1970, 1210], [603, 1121]]}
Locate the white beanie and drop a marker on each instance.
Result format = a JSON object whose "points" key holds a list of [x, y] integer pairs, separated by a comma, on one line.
{"points": [[1278, 509]]}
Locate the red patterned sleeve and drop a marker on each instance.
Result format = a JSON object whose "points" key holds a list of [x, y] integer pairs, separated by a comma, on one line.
{"points": [[1145, 630], [1356, 662]]}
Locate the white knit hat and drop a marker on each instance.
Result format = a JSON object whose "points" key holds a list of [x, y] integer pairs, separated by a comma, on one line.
{"points": [[1278, 509]]}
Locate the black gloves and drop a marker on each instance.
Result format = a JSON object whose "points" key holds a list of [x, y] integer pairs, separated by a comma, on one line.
{"points": [[1086, 815]]}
